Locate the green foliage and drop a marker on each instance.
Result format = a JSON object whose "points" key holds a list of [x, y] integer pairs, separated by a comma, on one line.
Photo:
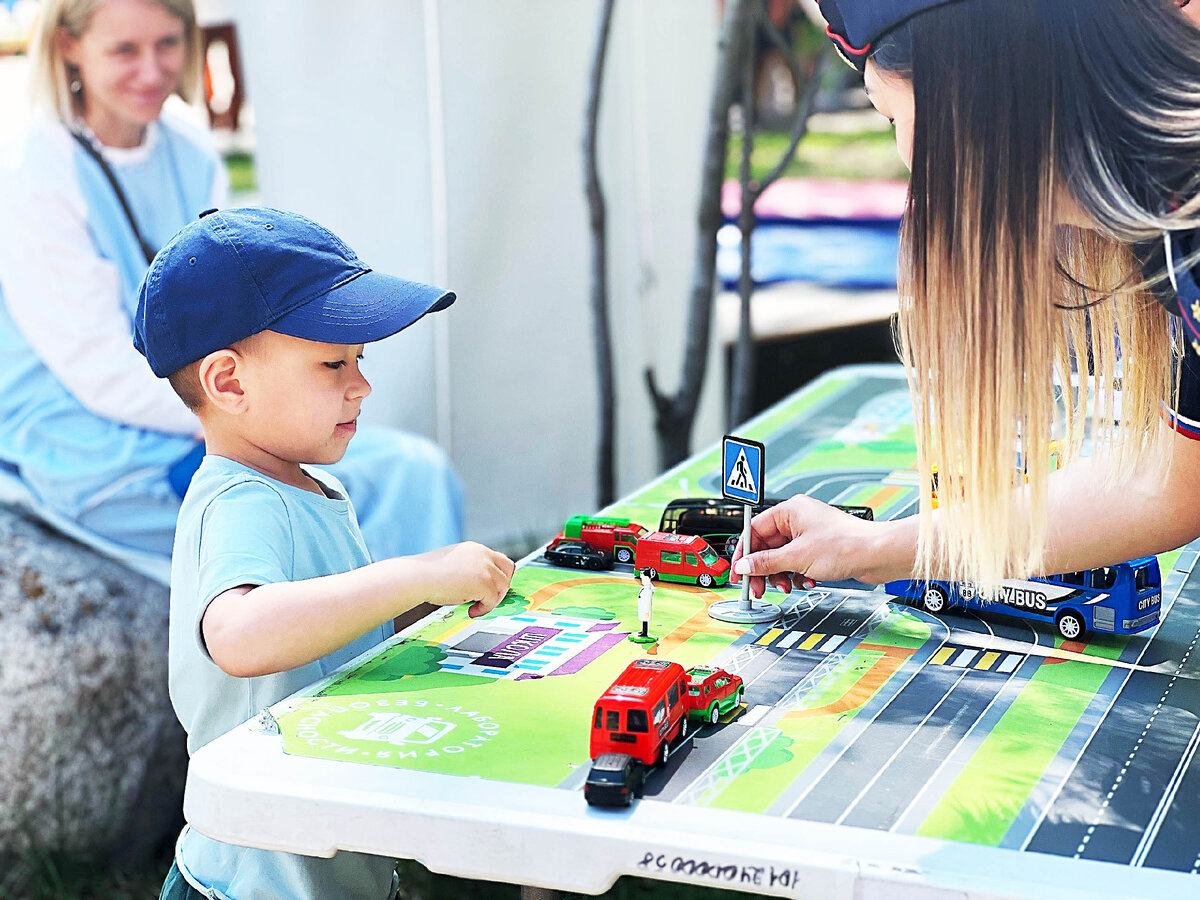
{"points": [[512, 604], [242, 178], [870, 153], [412, 659]]}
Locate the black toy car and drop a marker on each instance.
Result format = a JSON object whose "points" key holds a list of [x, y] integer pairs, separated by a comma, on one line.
{"points": [[578, 555], [720, 521], [615, 779]]}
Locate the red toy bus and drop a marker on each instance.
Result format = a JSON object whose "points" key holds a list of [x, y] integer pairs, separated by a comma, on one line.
{"points": [[616, 537], [681, 557], [642, 713]]}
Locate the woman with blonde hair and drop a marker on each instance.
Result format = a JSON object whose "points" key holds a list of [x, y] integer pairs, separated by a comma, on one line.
{"points": [[102, 179], [1049, 265]]}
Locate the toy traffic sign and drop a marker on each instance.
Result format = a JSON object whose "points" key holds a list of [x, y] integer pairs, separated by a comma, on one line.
{"points": [[742, 469], [742, 465]]}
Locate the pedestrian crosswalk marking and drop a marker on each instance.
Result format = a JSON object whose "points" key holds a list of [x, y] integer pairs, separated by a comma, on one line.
{"points": [[963, 658], [769, 636], [790, 639], [982, 661], [811, 641], [832, 644], [942, 655]]}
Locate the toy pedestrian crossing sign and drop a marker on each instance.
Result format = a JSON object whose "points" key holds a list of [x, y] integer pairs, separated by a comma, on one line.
{"points": [[742, 470]]}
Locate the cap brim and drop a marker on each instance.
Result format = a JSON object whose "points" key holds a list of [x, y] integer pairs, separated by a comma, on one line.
{"points": [[367, 308]]}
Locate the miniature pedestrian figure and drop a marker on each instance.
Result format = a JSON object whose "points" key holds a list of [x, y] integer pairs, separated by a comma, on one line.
{"points": [[645, 609]]}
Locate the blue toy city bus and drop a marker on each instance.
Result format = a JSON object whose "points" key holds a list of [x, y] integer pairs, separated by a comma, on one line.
{"points": [[1120, 599]]}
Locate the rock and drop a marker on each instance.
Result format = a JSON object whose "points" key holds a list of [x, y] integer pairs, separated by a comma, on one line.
{"points": [[92, 759]]}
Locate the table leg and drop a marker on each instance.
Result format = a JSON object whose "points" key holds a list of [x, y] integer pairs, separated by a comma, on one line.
{"points": [[535, 893]]}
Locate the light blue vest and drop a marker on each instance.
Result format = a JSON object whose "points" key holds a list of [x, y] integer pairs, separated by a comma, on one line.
{"points": [[70, 457]]}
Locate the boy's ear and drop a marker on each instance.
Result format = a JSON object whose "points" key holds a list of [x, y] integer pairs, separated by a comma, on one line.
{"points": [[220, 379]]}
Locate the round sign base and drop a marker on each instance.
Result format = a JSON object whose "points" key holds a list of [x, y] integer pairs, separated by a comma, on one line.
{"points": [[742, 614], [643, 639]]}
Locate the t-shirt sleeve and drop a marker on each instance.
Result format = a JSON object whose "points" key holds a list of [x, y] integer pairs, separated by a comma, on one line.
{"points": [[1186, 416], [245, 538]]}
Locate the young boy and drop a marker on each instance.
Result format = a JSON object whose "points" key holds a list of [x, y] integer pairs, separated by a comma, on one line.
{"points": [[259, 317]]}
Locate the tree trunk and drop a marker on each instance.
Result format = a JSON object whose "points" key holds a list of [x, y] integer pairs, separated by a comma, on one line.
{"points": [[601, 330], [675, 414], [742, 378]]}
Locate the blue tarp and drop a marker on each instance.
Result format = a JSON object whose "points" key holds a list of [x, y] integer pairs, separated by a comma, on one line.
{"points": [[854, 254]]}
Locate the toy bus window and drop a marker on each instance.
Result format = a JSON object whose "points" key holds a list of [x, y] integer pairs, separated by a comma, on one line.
{"points": [[614, 720], [1143, 578], [599, 717], [673, 694], [691, 558], [670, 520], [635, 720], [1079, 579], [671, 556], [1103, 578], [660, 713]]}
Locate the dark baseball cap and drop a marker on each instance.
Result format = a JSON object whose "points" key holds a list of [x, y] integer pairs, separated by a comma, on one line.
{"points": [[855, 25], [236, 272]]}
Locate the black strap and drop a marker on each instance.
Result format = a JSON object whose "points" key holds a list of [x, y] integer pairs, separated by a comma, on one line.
{"points": [[147, 250]]}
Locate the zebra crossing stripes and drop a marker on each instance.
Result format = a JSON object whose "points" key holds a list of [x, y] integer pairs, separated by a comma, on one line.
{"points": [[820, 641], [972, 658]]}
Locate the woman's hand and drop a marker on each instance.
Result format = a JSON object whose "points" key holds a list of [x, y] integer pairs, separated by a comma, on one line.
{"points": [[802, 541]]}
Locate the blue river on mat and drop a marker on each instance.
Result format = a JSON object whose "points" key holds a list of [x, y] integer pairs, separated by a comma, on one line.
{"points": [[859, 254]]}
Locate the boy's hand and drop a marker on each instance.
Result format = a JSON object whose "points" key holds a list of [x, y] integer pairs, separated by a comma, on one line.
{"points": [[468, 573]]}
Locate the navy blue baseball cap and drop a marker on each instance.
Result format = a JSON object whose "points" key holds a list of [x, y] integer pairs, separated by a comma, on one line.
{"points": [[855, 25], [236, 272]]}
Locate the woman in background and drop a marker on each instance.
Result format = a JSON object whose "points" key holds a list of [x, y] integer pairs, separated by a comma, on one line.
{"points": [[1052, 233], [103, 178]]}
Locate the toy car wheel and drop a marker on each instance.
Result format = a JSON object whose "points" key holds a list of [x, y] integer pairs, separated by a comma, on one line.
{"points": [[624, 555], [737, 698], [705, 580], [714, 715], [1070, 625], [934, 599], [664, 753]]}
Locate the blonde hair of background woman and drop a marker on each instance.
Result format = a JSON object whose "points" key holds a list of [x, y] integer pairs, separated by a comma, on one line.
{"points": [[1016, 329], [51, 76]]}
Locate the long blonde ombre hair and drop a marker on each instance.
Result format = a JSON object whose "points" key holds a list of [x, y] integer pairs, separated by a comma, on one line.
{"points": [[1016, 330], [51, 77]]}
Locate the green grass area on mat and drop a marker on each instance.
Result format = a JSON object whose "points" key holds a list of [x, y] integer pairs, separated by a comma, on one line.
{"points": [[984, 800]]}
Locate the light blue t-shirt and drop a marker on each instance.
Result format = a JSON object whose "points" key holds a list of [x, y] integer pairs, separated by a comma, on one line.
{"points": [[236, 527]]}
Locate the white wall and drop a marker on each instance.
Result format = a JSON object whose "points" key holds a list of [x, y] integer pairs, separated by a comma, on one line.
{"points": [[342, 101]]}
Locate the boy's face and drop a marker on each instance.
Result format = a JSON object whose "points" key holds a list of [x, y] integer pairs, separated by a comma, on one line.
{"points": [[303, 397]]}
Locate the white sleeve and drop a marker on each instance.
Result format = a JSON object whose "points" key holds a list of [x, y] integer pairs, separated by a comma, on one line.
{"points": [[65, 300]]}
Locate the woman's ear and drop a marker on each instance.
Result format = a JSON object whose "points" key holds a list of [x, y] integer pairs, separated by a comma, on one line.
{"points": [[68, 46], [220, 377]]}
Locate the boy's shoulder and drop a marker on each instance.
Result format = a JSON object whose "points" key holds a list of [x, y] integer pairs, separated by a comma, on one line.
{"points": [[217, 476], [220, 482]]}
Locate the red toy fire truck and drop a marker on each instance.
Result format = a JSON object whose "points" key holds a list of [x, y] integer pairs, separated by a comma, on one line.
{"points": [[616, 537]]}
